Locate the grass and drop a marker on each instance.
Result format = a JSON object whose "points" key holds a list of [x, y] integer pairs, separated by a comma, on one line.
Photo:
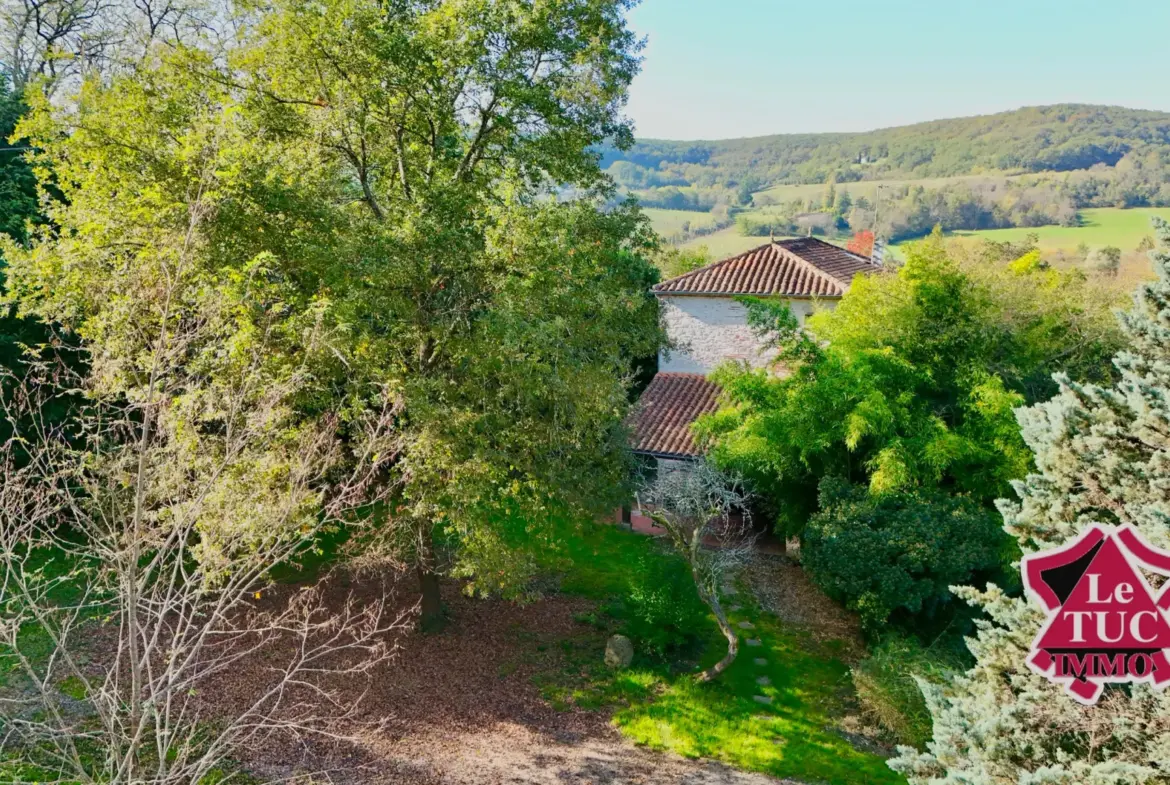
{"points": [[658, 704], [1099, 227], [671, 222], [726, 242], [33, 640]]}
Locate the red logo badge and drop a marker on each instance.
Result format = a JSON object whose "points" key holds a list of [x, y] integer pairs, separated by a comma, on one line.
{"points": [[1105, 623]]}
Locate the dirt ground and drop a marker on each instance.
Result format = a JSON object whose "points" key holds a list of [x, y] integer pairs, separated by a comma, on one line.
{"points": [[784, 589], [460, 706]]}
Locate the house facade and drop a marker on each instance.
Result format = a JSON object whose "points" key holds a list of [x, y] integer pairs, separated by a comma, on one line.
{"points": [[707, 326]]}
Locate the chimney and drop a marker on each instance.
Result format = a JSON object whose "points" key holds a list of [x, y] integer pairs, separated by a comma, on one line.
{"points": [[879, 252]]}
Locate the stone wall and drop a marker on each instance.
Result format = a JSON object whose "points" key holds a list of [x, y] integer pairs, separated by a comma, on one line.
{"points": [[707, 331]]}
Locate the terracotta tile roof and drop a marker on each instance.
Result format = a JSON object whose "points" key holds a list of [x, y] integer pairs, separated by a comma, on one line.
{"points": [[804, 267], [661, 423]]}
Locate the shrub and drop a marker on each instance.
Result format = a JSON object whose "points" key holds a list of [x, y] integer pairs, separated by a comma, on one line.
{"points": [[663, 612], [879, 554], [887, 690]]}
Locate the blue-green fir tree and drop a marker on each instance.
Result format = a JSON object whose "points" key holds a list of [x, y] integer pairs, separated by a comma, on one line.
{"points": [[1102, 455]]}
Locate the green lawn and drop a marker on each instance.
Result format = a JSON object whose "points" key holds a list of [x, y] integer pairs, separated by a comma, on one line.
{"points": [[1099, 227], [35, 642], [658, 704]]}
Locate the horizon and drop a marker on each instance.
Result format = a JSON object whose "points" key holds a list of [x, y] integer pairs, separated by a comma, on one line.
{"points": [[911, 63], [875, 129]]}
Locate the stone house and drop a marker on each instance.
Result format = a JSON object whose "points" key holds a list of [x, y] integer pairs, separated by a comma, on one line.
{"points": [[709, 327]]}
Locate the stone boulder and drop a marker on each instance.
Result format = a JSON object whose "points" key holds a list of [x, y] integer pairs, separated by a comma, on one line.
{"points": [[619, 652]]}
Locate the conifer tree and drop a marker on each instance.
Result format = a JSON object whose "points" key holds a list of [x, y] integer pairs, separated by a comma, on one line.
{"points": [[1102, 456]]}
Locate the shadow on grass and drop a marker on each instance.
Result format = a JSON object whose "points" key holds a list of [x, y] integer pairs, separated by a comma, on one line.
{"points": [[658, 704]]}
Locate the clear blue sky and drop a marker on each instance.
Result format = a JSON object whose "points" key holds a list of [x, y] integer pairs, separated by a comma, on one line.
{"points": [[752, 67]]}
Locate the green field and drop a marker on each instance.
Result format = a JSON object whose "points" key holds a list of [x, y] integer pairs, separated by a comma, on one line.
{"points": [[656, 702], [671, 222], [724, 243], [1099, 227]]}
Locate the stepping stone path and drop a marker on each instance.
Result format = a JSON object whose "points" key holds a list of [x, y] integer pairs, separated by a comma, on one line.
{"points": [[762, 681]]}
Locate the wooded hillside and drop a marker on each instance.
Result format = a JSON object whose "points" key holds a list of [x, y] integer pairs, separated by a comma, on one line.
{"points": [[1061, 137]]}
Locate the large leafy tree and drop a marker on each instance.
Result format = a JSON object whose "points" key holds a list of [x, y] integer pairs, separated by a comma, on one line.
{"points": [[502, 322], [421, 176], [1100, 455]]}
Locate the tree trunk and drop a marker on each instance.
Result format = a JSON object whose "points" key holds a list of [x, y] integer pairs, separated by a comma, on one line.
{"points": [[712, 601], [431, 615], [431, 603]]}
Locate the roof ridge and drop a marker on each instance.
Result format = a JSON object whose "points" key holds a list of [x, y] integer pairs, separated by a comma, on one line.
{"points": [[818, 270], [827, 244]]}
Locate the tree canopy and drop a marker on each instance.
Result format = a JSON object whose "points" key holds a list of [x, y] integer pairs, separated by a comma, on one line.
{"points": [[1100, 458], [389, 171], [910, 381]]}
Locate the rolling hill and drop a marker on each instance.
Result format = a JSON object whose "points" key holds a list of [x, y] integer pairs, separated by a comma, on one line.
{"points": [[1058, 138]]}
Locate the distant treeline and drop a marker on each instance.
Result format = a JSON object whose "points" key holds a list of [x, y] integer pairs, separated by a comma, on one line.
{"points": [[906, 210], [1060, 138]]}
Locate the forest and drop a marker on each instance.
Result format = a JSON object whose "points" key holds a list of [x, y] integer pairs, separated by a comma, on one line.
{"points": [[1058, 138]]}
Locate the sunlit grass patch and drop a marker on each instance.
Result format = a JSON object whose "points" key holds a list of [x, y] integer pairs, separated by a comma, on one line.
{"points": [[658, 704]]}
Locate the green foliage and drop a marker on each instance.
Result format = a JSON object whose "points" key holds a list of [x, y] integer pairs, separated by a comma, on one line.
{"points": [[911, 381], [331, 155], [673, 262], [914, 210], [1105, 261], [662, 611], [914, 545], [1061, 137], [1100, 458], [887, 684], [505, 325], [18, 193], [960, 174], [18, 209]]}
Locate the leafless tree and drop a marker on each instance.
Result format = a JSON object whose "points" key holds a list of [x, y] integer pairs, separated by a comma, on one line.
{"points": [[58, 40], [51, 38], [704, 513], [143, 574], [138, 535]]}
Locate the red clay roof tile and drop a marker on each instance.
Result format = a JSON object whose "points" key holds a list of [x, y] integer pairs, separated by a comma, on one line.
{"points": [[803, 267], [661, 423]]}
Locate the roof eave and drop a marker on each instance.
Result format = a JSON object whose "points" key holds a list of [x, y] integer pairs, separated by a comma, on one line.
{"points": [[676, 293], [676, 456]]}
